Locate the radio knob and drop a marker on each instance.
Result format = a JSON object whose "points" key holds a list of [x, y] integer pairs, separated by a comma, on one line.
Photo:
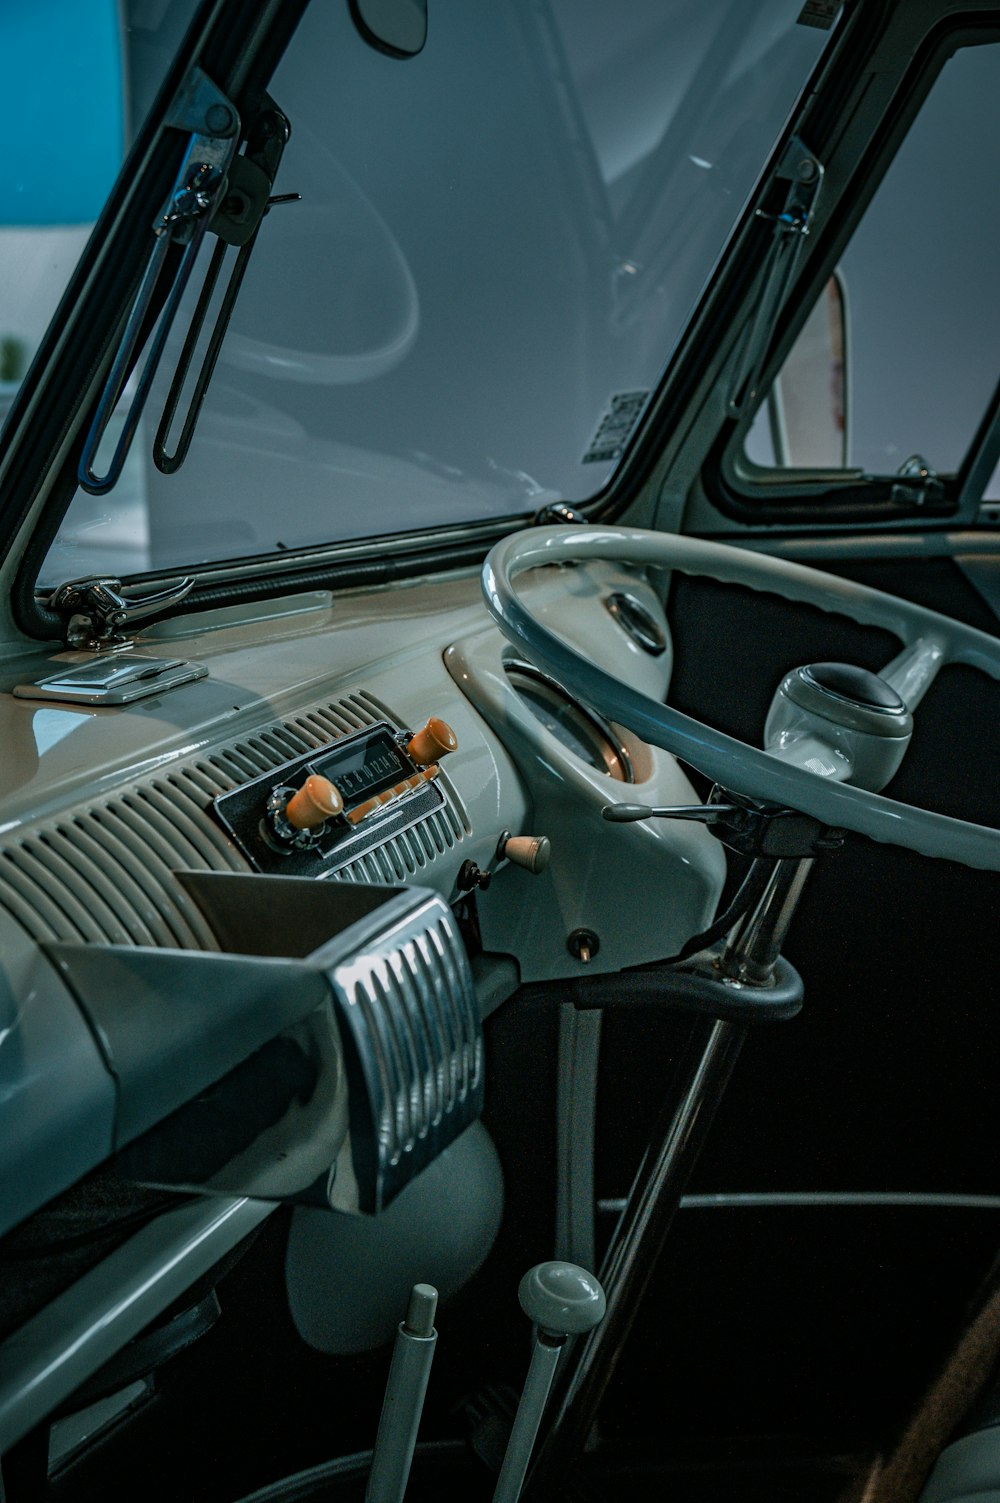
{"points": [[315, 802], [435, 741]]}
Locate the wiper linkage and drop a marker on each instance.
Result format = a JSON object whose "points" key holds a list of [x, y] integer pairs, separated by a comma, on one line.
{"points": [[236, 222], [214, 124], [214, 190]]}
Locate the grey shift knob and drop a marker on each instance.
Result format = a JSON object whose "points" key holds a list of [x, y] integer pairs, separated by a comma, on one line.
{"points": [[562, 1298]]}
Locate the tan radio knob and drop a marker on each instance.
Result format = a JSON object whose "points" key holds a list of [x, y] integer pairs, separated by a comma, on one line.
{"points": [[316, 801], [435, 741]]}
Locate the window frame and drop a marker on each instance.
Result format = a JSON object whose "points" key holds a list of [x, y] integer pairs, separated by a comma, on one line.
{"points": [[755, 495]]}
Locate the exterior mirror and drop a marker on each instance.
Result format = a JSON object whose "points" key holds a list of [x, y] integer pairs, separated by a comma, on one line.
{"points": [[807, 407], [396, 27]]}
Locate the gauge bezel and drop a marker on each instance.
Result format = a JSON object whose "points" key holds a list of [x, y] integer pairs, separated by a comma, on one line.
{"points": [[608, 744]]}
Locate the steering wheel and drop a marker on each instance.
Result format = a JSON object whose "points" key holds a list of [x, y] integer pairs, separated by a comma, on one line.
{"points": [[930, 641]]}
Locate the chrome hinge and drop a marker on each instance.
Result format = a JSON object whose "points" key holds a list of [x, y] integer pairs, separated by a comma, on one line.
{"points": [[94, 609], [918, 483], [557, 511], [804, 173]]}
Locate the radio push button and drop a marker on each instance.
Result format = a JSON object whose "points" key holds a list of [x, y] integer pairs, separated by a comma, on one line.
{"points": [[432, 743], [388, 795]]}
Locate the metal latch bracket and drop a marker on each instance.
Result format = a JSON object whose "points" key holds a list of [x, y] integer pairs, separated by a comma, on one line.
{"points": [[94, 609], [803, 171]]}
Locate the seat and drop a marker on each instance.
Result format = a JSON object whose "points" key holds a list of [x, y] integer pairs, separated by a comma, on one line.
{"points": [[967, 1471]]}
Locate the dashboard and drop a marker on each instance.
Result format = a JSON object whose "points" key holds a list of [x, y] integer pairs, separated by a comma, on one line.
{"points": [[142, 887]]}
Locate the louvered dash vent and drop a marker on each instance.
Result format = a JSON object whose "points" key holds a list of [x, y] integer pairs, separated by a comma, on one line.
{"points": [[409, 1005], [104, 873]]}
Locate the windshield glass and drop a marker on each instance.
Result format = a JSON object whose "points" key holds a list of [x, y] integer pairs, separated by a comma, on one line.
{"points": [[497, 247]]}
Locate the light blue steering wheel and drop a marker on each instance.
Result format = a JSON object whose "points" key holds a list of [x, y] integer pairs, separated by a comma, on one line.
{"points": [[929, 642]]}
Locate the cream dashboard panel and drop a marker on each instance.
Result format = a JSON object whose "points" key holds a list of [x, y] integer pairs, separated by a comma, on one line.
{"points": [[98, 807], [101, 808]]}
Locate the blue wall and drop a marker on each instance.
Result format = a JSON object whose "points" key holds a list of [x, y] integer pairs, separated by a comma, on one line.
{"points": [[63, 110]]}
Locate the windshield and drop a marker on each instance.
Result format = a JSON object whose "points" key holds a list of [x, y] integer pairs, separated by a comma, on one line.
{"points": [[497, 247]]}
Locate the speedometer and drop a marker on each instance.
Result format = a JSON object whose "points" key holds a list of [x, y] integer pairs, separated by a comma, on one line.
{"points": [[576, 727]]}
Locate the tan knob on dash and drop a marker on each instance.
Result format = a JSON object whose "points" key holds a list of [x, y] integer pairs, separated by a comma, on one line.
{"points": [[316, 801], [531, 852], [435, 741]]}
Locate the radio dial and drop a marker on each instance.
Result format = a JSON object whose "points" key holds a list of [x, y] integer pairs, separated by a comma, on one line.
{"points": [[315, 802]]}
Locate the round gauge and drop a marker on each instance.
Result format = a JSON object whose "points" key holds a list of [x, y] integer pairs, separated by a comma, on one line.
{"points": [[580, 730]]}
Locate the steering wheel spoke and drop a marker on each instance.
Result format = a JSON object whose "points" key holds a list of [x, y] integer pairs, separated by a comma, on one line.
{"points": [[913, 670]]}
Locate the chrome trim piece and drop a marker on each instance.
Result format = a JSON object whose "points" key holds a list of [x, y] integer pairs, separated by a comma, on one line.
{"points": [[413, 1040], [637, 622], [596, 722], [59, 1348], [780, 1199]]}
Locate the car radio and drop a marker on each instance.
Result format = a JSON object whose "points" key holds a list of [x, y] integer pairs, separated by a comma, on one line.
{"points": [[320, 811]]}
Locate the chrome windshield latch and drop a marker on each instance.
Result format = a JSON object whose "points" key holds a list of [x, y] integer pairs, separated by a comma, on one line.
{"points": [[918, 483], [94, 609]]}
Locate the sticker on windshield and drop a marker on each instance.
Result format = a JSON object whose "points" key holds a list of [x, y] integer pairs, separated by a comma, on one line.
{"points": [[616, 426], [819, 13]]}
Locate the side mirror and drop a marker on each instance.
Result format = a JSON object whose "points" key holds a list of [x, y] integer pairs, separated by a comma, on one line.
{"points": [[807, 406], [395, 27]]}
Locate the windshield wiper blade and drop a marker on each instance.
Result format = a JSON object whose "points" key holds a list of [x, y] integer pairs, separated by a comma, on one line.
{"points": [[214, 124]]}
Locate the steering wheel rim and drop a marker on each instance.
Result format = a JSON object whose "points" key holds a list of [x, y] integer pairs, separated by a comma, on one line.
{"points": [[735, 764]]}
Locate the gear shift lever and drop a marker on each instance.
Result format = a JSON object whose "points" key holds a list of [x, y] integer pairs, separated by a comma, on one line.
{"points": [[563, 1300]]}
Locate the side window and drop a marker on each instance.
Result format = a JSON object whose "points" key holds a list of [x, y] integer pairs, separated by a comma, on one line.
{"points": [[896, 366]]}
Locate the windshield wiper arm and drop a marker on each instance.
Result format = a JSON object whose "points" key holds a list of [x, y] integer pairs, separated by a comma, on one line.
{"points": [[214, 125]]}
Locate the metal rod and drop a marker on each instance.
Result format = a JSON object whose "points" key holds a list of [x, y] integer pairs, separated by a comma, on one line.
{"points": [[576, 1113], [534, 1396], [755, 942], [652, 1204], [404, 1399]]}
